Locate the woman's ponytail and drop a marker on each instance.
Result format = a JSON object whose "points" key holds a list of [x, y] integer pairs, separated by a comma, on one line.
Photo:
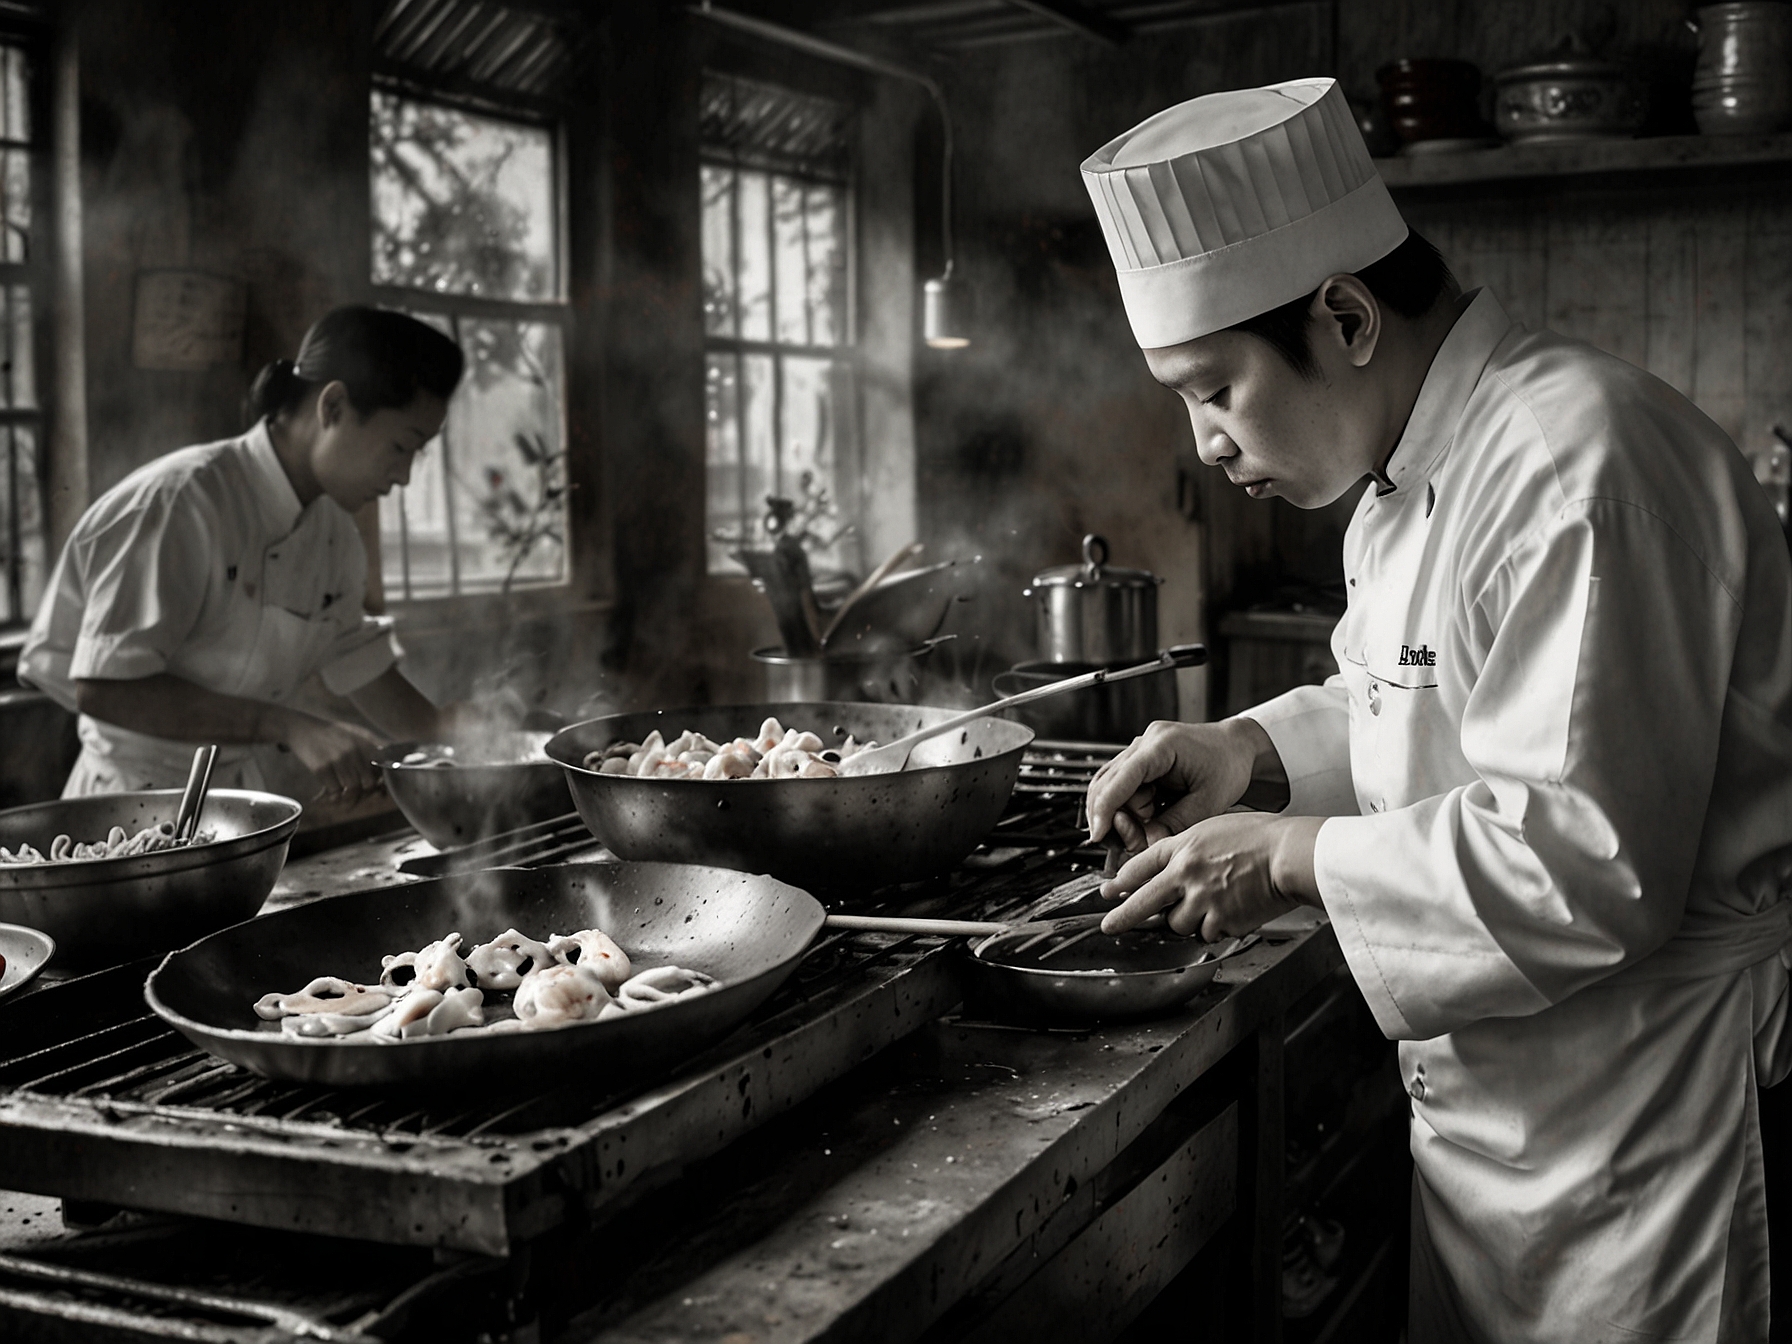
{"points": [[384, 358], [277, 388]]}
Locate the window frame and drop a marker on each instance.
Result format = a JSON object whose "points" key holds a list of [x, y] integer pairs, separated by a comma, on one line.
{"points": [[557, 311], [36, 274], [849, 352]]}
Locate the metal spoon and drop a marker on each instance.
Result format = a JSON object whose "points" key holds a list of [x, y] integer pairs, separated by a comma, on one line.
{"points": [[192, 801], [893, 756]]}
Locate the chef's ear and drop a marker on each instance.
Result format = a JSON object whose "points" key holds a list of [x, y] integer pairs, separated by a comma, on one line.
{"points": [[1348, 317], [332, 404]]}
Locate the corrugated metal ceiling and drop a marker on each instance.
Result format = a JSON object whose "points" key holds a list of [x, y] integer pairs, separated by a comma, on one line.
{"points": [[503, 48]]}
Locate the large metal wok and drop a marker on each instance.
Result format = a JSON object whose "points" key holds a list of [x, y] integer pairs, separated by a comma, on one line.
{"points": [[746, 931], [817, 833], [119, 909], [482, 794]]}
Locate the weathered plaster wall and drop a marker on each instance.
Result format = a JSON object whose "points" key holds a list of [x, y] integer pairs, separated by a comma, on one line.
{"points": [[1049, 426]]}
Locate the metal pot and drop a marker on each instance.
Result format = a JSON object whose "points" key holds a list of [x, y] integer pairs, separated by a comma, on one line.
{"points": [[876, 676], [1113, 712], [1573, 98], [817, 833], [1742, 84], [117, 909], [1095, 612]]}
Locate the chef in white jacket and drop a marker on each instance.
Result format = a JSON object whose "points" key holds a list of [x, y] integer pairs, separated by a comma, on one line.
{"points": [[195, 599], [1547, 804]]}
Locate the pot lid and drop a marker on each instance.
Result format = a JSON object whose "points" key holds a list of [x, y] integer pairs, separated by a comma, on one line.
{"points": [[1095, 571], [1563, 67]]}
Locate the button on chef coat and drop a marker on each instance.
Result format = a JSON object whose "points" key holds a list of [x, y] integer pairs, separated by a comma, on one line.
{"points": [[1557, 764], [204, 564]]}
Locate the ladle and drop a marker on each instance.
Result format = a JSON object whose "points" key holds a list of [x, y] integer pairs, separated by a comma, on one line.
{"points": [[893, 756]]}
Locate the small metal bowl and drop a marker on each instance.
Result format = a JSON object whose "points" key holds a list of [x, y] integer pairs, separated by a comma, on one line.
{"points": [[1098, 978], [118, 909], [457, 804]]}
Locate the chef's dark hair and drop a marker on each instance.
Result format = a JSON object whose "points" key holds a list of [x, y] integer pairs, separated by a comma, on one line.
{"points": [[1410, 280], [384, 358]]}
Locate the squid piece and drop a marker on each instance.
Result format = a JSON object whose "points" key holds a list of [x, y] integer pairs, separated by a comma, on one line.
{"points": [[771, 733], [398, 975], [326, 994], [661, 985], [331, 1024], [596, 951], [411, 1016], [729, 763], [503, 962], [439, 965], [558, 996]]}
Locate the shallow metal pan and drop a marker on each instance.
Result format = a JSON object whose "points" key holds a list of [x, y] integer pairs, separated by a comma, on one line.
{"points": [[747, 931], [120, 909], [1098, 978], [825, 834]]}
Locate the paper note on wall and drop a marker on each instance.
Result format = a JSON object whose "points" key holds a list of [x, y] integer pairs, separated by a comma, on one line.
{"points": [[187, 321]]}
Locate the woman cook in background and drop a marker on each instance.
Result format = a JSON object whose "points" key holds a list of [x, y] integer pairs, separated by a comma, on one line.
{"points": [[197, 596]]}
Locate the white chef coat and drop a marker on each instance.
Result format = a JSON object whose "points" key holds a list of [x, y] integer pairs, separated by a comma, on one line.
{"points": [[204, 564], [1557, 767]]}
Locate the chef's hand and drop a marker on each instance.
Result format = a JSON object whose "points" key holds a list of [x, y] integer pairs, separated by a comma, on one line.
{"points": [[340, 756], [1219, 878], [1191, 771]]}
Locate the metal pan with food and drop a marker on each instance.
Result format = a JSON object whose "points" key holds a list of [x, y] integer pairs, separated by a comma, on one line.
{"points": [[739, 934], [820, 832], [455, 793], [150, 893]]}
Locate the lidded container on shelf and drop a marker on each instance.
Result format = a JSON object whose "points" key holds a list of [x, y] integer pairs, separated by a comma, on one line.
{"points": [[1095, 612]]}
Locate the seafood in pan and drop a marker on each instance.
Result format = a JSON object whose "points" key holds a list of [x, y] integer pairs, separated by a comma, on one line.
{"points": [[436, 991], [776, 753]]}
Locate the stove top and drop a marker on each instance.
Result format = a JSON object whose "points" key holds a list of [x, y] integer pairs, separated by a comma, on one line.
{"points": [[101, 1101]]}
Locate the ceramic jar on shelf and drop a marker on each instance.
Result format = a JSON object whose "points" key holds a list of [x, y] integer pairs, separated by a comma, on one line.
{"points": [[1569, 98], [1742, 84]]}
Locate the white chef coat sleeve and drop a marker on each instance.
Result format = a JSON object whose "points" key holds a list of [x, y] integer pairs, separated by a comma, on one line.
{"points": [[360, 653], [1310, 729], [1593, 726], [146, 571]]}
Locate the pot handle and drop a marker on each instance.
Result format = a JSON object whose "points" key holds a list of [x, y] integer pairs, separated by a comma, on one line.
{"points": [[1095, 553]]}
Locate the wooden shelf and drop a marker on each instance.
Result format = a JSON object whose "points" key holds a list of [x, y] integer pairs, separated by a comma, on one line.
{"points": [[1583, 158]]}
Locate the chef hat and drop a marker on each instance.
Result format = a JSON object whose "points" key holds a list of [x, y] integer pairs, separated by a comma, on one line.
{"points": [[1226, 206]]}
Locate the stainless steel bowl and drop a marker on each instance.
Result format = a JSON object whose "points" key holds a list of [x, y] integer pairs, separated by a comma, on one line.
{"points": [[457, 804], [115, 909], [827, 834]]}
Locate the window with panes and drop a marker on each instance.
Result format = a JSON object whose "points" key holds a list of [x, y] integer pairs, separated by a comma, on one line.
{"points": [[24, 558], [467, 235], [781, 367]]}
